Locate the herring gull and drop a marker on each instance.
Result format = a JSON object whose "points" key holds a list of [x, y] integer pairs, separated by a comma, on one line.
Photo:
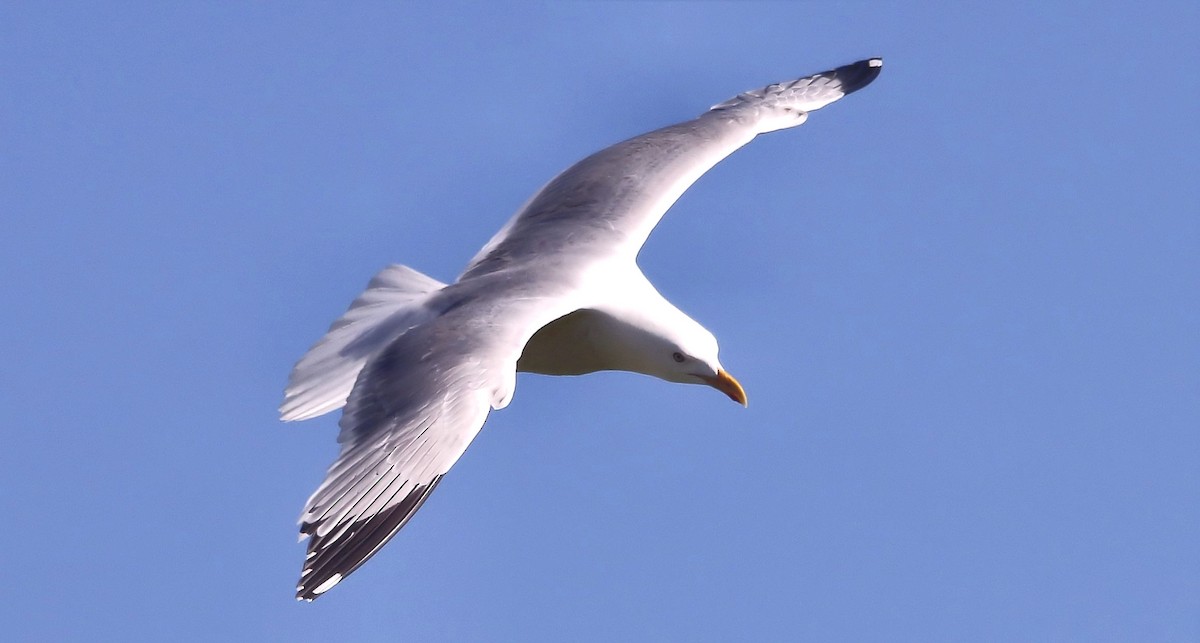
{"points": [[419, 364]]}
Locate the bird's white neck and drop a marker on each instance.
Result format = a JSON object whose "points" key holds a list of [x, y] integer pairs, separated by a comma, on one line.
{"points": [[630, 331]]}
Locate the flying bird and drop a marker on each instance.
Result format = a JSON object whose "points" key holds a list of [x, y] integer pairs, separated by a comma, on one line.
{"points": [[419, 364]]}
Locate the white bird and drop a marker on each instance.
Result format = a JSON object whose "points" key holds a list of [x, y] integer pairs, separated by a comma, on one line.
{"points": [[419, 364]]}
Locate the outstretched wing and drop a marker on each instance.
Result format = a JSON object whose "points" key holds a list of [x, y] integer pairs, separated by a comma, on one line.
{"points": [[413, 410], [608, 203]]}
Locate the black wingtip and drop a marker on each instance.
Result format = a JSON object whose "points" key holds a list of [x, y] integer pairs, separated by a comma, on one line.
{"points": [[327, 564], [857, 75]]}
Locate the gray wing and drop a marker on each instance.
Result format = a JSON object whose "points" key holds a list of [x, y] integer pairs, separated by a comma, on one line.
{"points": [[609, 202], [411, 414]]}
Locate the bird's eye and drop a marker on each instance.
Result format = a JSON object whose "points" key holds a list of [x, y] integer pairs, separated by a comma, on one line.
{"points": [[678, 357]]}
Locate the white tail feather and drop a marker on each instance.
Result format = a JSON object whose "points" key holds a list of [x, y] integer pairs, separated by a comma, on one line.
{"points": [[392, 303]]}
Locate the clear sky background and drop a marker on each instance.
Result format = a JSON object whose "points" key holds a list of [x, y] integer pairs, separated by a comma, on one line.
{"points": [[965, 304]]}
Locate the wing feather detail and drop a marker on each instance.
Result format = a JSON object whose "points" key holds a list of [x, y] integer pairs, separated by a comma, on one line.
{"points": [[413, 411], [608, 203]]}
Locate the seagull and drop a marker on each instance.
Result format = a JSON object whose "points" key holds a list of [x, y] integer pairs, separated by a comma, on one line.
{"points": [[418, 364]]}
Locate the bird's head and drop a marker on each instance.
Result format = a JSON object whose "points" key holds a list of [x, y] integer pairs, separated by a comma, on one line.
{"points": [[684, 351]]}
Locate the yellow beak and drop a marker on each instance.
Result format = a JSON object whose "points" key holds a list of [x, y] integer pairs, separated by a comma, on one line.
{"points": [[725, 383]]}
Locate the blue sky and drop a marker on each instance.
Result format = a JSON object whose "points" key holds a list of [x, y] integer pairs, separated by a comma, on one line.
{"points": [[963, 303]]}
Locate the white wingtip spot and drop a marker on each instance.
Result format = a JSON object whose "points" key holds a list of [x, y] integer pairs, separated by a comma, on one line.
{"points": [[875, 62], [324, 587]]}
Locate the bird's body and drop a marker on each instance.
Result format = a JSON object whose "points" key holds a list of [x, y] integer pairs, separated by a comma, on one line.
{"points": [[419, 364]]}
